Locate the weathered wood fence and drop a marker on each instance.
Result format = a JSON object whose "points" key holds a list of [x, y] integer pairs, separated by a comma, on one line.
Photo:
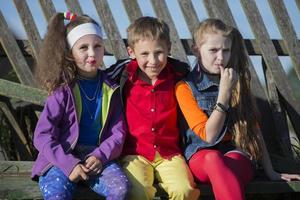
{"points": [[277, 104]]}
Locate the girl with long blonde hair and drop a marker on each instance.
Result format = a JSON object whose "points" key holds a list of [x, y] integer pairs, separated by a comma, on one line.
{"points": [[223, 140]]}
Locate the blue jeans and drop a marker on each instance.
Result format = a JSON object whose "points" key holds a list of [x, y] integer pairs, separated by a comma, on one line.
{"points": [[111, 183]]}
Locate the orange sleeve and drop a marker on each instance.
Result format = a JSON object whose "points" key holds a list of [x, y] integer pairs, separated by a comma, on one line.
{"points": [[193, 114]]}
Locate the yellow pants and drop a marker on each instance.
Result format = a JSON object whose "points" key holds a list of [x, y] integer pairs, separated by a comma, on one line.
{"points": [[173, 175]]}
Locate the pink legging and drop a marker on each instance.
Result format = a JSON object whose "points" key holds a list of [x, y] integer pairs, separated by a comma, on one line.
{"points": [[228, 173]]}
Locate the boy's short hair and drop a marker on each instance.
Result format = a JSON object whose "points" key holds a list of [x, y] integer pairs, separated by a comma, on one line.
{"points": [[148, 28]]}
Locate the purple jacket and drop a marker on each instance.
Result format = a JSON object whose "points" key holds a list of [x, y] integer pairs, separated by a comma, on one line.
{"points": [[57, 130]]}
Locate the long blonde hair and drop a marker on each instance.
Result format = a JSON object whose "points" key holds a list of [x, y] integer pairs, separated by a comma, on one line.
{"points": [[243, 108], [55, 64]]}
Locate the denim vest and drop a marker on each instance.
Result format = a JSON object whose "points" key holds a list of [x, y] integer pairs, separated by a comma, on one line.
{"points": [[205, 90]]}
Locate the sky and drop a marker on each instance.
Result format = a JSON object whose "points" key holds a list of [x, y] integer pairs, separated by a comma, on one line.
{"points": [[10, 14]]}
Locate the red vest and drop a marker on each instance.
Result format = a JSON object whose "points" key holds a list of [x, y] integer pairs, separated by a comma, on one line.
{"points": [[151, 114]]}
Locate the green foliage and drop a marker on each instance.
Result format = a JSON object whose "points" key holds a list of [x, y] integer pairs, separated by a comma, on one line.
{"points": [[10, 75], [296, 148], [295, 84], [6, 140]]}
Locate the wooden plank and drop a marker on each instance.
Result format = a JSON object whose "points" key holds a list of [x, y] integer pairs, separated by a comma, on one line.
{"points": [[162, 11], [133, 9], [219, 9], [272, 187], [26, 50], [260, 187], [15, 168], [22, 187], [252, 47], [14, 54], [3, 154], [269, 55], [288, 32], [111, 29], [15, 182], [294, 116], [298, 4], [22, 92], [19, 188], [189, 14], [282, 130], [24, 47], [47, 8], [29, 25], [74, 6], [10, 117]]}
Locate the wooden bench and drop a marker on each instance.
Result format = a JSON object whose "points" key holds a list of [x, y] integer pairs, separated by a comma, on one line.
{"points": [[15, 183], [275, 103]]}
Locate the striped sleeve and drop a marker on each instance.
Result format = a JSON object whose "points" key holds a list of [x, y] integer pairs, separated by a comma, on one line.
{"points": [[193, 114]]}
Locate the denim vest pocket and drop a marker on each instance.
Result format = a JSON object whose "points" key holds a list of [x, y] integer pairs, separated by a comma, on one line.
{"points": [[207, 101]]}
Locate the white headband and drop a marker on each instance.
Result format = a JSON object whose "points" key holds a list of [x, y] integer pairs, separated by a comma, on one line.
{"points": [[82, 30]]}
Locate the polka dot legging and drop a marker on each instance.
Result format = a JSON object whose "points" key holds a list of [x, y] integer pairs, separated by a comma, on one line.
{"points": [[111, 183]]}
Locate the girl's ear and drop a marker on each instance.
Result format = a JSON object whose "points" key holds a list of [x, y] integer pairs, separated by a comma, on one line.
{"points": [[131, 52]]}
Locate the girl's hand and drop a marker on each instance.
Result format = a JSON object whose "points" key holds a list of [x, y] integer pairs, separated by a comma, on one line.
{"points": [[79, 173], [289, 177], [93, 164], [228, 81], [275, 176]]}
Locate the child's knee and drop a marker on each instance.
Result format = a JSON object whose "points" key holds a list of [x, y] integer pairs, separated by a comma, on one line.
{"points": [[122, 189], [55, 185], [183, 191], [137, 193]]}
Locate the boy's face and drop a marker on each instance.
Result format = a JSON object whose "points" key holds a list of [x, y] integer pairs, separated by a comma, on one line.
{"points": [[151, 56]]}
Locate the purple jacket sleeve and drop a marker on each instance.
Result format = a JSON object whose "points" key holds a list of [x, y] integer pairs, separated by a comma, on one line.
{"points": [[114, 134], [48, 133]]}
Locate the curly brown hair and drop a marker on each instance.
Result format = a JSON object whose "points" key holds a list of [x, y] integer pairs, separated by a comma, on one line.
{"points": [[244, 112], [55, 63]]}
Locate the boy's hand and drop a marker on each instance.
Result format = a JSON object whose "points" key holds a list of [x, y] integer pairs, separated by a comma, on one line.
{"points": [[93, 164], [79, 173], [228, 81]]}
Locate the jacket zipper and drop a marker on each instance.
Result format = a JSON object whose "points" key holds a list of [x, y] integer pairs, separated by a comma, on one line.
{"points": [[100, 133]]}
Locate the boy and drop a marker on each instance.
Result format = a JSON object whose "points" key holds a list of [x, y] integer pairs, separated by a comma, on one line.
{"points": [[151, 150]]}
